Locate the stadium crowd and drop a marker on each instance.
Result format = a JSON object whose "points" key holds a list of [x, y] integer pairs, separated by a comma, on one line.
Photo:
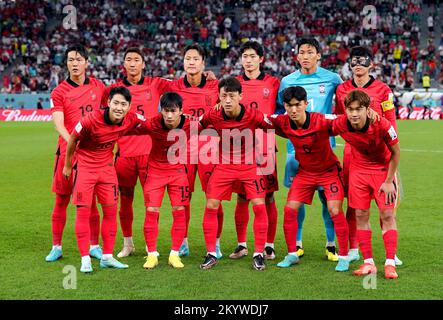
{"points": [[35, 46]]}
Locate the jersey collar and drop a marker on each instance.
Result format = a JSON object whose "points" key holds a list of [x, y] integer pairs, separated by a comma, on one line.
{"points": [[201, 85], [305, 125], [75, 85], [371, 80], [364, 129], [239, 117], [108, 119], [261, 76], [180, 125], [128, 84]]}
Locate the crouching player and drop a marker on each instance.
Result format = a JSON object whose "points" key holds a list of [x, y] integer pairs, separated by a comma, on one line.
{"points": [[318, 167], [94, 172], [372, 175], [169, 131]]}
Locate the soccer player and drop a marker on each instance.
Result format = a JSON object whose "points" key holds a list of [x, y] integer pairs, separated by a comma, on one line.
{"points": [[96, 135], [133, 151], [234, 123], [375, 155], [199, 95], [320, 85], [382, 102], [71, 100], [318, 167], [259, 91], [164, 173]]}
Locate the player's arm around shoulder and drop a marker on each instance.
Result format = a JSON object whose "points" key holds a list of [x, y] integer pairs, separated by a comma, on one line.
{"points": [[139, 125]]}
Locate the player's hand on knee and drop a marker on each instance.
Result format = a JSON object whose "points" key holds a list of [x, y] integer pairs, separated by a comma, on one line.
{"points": [[389, 190]]}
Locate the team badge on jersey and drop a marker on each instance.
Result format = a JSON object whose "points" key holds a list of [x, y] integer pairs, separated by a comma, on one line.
{"points": [[149, 95], [93, 95], [266, 92], [322, 89]]}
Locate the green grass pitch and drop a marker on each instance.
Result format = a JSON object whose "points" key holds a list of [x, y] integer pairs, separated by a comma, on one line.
{"points": [[26, 160]]}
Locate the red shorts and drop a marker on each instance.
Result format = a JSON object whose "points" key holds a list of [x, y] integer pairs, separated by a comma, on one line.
{"points": [[268, 181], [102, 182], [223, 178], [304, 186], [204, 170], [59, 184], [154, 189], [130, 168], [363, 187]]}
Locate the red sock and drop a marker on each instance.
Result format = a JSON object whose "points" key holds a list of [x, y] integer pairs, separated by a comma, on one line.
{"points": [[260, 227], [241, 220], [220, 217], [178, 228], [126, 214], [59, 218], [390, 238], [290, 226], [365, 241], [109, 228], [94, 223], [82, 231], [210, 226], [151, 230], [342, 232], [272, 212], [352, 224], [188, 218]]}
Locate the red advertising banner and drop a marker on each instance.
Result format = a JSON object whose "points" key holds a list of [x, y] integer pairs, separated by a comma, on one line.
{"points": [[25, 115], [420, 113]]}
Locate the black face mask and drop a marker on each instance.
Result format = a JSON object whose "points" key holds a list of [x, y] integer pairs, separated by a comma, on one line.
{"points": [[362, 61]]}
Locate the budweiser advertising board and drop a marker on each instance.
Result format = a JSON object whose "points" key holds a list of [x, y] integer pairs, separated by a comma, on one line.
{"points": [[25, 115]]}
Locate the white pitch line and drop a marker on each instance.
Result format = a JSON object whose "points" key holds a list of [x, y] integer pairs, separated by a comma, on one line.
{"points": [[407, 150]]}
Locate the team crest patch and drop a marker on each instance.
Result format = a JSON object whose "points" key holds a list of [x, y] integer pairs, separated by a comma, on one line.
{"points": [[149, 95], [208, 100], [93, 95], [266, 92], [322, 89]]}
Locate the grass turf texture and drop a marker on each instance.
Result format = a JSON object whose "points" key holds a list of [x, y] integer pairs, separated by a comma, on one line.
{"points": [[26, 163]]}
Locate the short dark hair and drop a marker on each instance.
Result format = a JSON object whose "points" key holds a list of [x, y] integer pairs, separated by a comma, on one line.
{"points": [[195, 46], [358, 95], [134, 50], [171, 100], [360, 51], [230, 84], [79, 48], [310, 41], [297, 92], [120, 90], [254, 45]]}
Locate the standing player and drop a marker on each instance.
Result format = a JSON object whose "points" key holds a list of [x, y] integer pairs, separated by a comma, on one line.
{"points": [[199, 95], [163, 174], [133, 151], [259, 91], [318, 167], [96, 136], [320, 85], [375, 155], [382, 102], [234, 123], [70, 101]]}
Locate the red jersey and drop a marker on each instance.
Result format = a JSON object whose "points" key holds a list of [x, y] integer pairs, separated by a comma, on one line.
{"points": [[311, 142], [370, 150], [98, 137], [145, 99], [196, 100], [158, 158], [241, 129], [260, 93], [382, 98], [75, 102]]}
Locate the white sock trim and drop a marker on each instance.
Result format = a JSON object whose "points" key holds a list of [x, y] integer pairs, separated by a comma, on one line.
{"points": [[370, 260], [243, 244], [390, 262], [153, 253], [268, 244]]}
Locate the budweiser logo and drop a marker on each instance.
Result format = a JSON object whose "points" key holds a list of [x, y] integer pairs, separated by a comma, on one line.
{"points": [[26, 115]]}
